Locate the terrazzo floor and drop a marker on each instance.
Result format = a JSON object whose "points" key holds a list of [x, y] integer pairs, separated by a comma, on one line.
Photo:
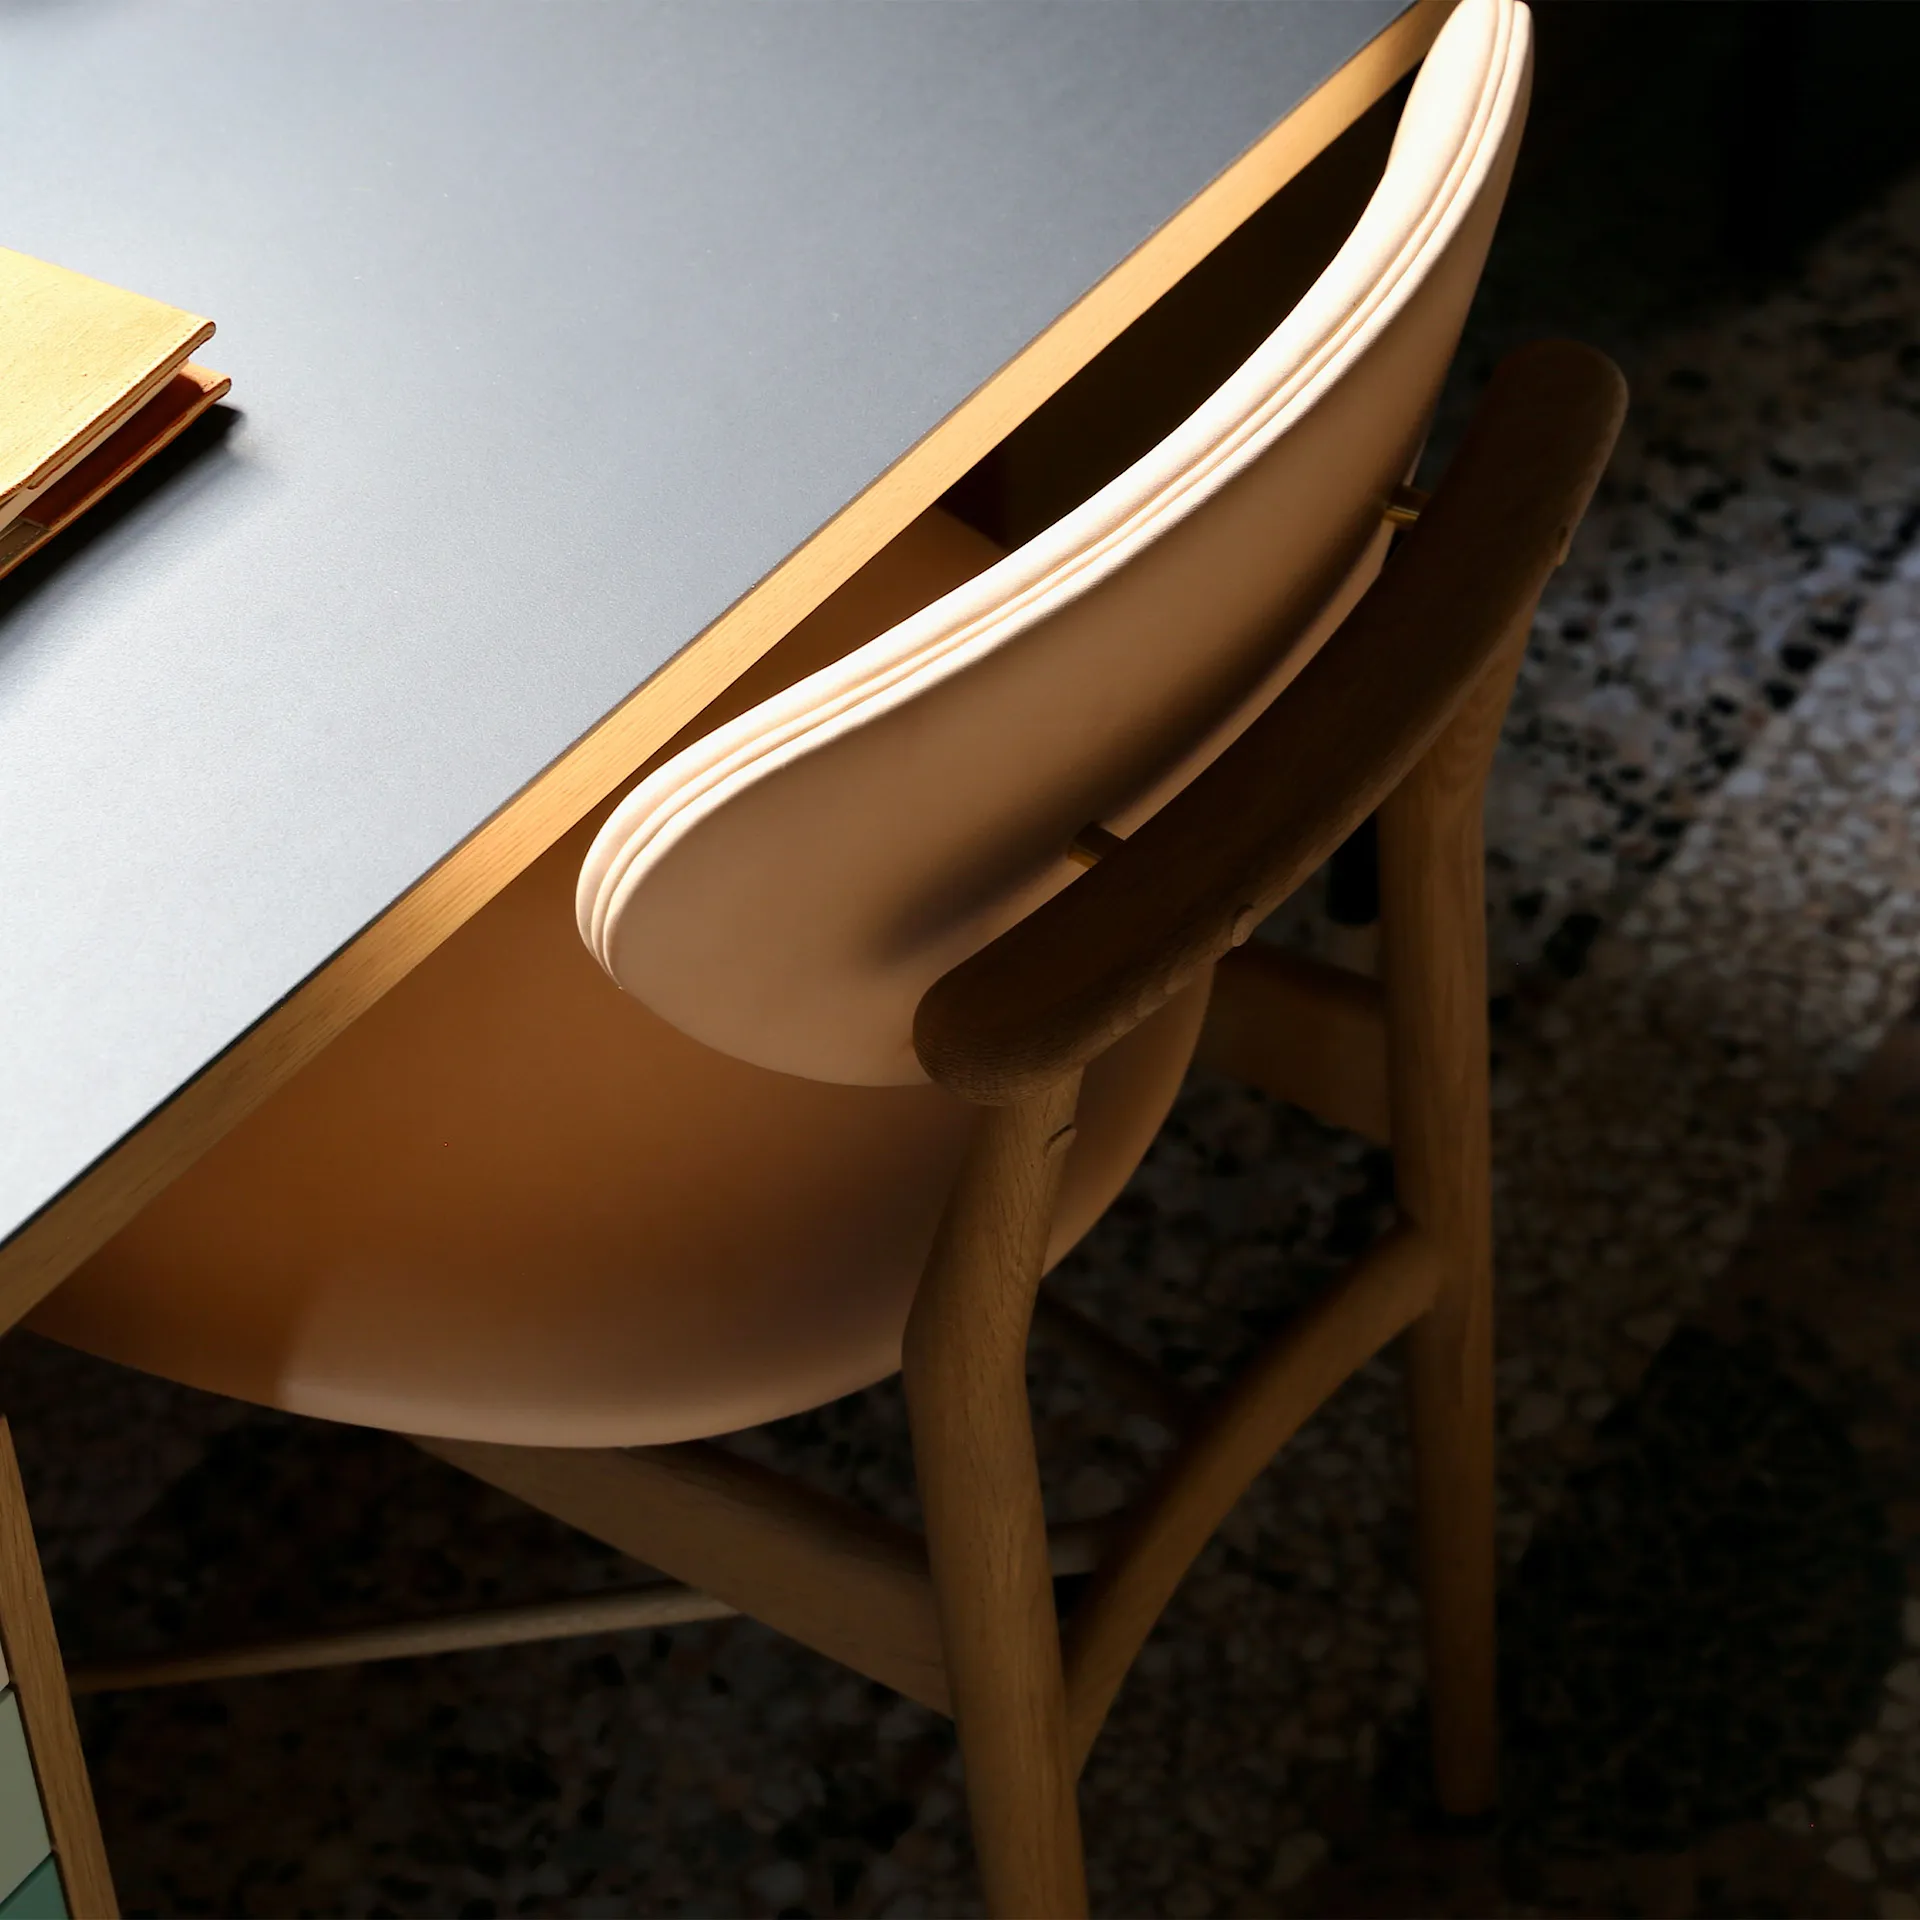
{"points": [[1704, 865]]}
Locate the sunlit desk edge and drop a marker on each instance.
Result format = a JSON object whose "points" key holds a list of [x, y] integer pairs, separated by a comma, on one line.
{"points": [[43, 1252]]}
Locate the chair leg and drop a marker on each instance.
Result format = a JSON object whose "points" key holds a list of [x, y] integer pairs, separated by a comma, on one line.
{"points": [[1433, 927], [964, 1365]]}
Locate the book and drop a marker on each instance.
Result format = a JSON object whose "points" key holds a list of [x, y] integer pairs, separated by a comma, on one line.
{"points": [[93, 382]]}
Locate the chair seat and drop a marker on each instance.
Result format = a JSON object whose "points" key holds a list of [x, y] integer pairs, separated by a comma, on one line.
{"points": [[512, 1204]]}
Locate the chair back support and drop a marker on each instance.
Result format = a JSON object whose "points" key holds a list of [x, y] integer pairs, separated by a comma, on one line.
{"points": [[787, 888]]}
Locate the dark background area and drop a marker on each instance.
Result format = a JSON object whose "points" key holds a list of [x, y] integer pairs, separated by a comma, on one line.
{"points": [[1678, 153]]}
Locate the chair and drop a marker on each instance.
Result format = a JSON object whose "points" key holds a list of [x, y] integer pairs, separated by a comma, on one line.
{"points": [[917, 936]]}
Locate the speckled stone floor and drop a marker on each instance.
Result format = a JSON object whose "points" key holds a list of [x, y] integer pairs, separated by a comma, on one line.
{"points": [[1704, 855]]}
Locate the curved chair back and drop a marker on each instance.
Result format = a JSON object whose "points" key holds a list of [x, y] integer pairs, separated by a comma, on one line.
{"points": [[787, 888]]}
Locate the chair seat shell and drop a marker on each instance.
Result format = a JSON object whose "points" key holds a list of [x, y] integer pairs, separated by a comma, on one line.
{"points": [[512, 1204]]}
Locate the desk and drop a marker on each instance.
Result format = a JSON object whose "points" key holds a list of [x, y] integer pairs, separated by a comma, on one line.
{"points": [[579, 350]]}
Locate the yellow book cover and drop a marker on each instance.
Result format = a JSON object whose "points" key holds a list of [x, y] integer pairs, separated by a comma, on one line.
{"points": [[93, 379]]}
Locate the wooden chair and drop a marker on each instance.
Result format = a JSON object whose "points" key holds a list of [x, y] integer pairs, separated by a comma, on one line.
{"points": [[917, 938]]}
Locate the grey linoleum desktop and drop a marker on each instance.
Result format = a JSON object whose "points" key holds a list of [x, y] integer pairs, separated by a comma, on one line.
{"points": [[578, 350]]}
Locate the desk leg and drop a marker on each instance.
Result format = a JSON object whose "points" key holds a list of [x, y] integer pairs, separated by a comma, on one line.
{"points": [[52, 1860]]}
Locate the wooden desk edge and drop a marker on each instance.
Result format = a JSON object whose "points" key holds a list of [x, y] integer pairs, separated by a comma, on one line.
{"points": [[90, 1211]]}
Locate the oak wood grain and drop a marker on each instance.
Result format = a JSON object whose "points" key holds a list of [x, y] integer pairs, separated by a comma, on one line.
{"points": [[661, 1603], [1434, 971], [829, 1574], [1195, 879], [1262, 1409], [964, 1369]]}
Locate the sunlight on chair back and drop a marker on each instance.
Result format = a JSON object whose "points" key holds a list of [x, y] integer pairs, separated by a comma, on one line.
{"points": [[787, 888]]}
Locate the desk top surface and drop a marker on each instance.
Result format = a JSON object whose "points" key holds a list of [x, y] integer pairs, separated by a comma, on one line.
{"points": [[553, 329]]}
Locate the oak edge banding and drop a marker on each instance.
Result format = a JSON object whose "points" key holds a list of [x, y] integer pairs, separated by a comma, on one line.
{"points": [[37, 1257]]}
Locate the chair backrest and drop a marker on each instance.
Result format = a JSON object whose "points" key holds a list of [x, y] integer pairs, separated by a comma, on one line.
{"points": [[788, 887]]}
